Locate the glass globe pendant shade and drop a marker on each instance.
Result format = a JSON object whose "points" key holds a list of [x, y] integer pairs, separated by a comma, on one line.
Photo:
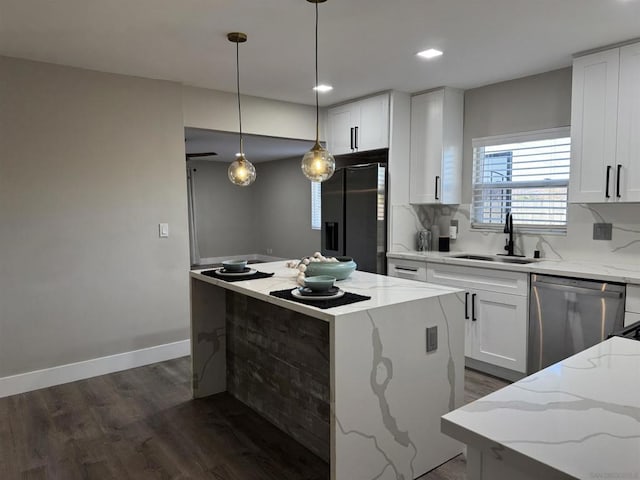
{"points": [[318, 164], [241, 172]]}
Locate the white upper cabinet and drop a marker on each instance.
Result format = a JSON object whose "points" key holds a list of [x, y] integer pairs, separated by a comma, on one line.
{"points": [[605, 109], [359, 126], [436, 147], [627, 188]]}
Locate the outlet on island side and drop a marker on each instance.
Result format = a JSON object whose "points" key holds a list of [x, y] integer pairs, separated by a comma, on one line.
{"points": [[432, 338]]}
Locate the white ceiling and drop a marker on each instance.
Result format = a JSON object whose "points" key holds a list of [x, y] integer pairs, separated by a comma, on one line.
{"points": [[365, 45]]}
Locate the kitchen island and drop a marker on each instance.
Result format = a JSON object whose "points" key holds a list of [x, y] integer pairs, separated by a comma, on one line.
{"points": [[353, 383], [579, 418]]}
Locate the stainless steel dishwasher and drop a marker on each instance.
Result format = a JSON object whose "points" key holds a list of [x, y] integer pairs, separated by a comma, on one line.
{"points": [[567, 315]]}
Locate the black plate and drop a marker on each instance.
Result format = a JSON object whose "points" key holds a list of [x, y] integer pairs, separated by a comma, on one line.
{"points": [[307, 292], [244, 270]]}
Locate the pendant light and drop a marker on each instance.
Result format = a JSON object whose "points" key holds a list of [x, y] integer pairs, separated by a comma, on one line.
{"points": [[241, 171], [317, 164]]}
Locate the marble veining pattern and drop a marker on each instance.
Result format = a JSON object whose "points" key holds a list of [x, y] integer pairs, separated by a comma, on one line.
{"points": [[387, 392], [576, 244], [581, 417], [381, 375]]}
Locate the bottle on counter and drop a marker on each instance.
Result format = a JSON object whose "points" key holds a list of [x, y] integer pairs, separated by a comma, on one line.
{"points": [[424, 241], [435, 237]]}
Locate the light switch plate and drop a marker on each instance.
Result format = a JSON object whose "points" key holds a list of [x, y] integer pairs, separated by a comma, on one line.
{"points": [[164, 230]]}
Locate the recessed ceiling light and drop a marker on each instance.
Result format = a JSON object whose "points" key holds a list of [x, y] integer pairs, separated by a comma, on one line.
{"points": [[323, 88], [430, 53]]}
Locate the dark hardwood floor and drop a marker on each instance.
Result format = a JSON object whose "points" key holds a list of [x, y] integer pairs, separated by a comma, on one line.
{"points": [[142, 424]]}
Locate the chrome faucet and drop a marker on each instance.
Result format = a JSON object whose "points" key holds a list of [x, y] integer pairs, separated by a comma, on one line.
{"points": [[508, 228]]}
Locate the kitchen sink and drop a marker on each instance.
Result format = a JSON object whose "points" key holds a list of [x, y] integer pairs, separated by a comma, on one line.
{"points": [[495, 258]]}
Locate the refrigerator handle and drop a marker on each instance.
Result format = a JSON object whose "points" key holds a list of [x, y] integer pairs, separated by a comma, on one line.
{"points": [[331, 235]]}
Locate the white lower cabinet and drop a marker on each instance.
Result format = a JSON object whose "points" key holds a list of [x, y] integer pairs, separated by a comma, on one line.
{"points": [[499, 333], [496, 315]]}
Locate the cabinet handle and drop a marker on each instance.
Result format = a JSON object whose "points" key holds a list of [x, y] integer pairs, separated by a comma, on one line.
{"points": [[473, 307], [618, 173], [407, 269], [606, 192], [351, 138], [437, 182], [355, 136], [466, 305]]}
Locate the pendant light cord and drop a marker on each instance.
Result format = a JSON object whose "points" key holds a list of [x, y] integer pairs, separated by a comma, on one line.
{"points": [[238, 89], [316, 89]]}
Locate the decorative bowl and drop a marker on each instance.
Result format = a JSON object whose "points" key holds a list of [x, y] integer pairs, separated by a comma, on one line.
{"points": [[234, 265], [340, 270], [319, 283]]}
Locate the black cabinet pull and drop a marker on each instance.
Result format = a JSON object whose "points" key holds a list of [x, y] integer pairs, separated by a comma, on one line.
{"points": [[466, 305], [355, 136], [437, 181], [606, 192], [351, 137], [473, 307], [618, 181]]}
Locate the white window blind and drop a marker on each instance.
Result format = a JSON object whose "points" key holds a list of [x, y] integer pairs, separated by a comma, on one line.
{"points": [[315, 205], [526, 174]]}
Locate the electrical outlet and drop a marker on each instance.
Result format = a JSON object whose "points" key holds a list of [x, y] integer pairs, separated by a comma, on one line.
{"points": [[269, 251], [432, 338], [602, 231]]}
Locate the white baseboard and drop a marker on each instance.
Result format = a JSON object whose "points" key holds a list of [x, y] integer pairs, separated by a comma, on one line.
{"points": [[48, 377]]}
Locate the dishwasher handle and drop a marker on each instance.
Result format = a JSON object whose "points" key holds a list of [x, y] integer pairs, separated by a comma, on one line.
{"points": [[580, 290]]}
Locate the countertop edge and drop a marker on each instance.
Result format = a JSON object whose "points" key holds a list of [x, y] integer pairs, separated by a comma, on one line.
{"points": [[563, 268]]}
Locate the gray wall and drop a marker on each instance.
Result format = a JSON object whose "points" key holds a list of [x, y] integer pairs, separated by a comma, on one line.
{"points": [[90, 163], [224, 212], [532, 103], [272, 216], [283, 210]]}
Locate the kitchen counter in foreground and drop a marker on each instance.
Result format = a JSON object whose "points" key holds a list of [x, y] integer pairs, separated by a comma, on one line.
{"points": [[353, 383], [579, 418]]}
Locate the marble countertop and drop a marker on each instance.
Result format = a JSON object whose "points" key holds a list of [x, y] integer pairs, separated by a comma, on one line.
{"points": [[579, 418], [629, 273], [384, 291]]}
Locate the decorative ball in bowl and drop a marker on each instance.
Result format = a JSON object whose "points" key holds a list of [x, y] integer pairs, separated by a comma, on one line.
{"points": [[234, 265], [340, 269], [319, 283]]}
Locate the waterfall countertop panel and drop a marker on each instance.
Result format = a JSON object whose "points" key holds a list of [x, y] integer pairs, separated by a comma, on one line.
{"points": [[579, 418], [627, 273], [384, 291]]}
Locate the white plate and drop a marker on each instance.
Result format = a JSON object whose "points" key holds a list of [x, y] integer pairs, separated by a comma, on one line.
{"points": [[235, 274], [296, 293]]}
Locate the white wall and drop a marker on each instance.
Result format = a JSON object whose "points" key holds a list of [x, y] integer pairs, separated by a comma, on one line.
{"points": [[90, 163]]}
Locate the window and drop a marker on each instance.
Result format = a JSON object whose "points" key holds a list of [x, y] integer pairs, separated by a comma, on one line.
{"points": [[315, 205], [526, 174]]}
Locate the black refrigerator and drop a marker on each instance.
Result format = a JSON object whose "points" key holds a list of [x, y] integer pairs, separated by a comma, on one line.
{"points": [[354, 216]]}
